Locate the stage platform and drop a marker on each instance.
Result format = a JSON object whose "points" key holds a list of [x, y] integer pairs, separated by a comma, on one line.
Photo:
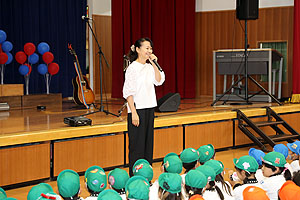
{"points": [[36, 145]]}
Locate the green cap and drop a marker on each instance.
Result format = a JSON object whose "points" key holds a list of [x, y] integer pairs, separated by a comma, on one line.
{"points": [[189, 155], [142, 168], [172, 163], [195, 179], [95, 178], [247, 163], [209, 172], [109, 195], [171, 182], [2, 194], [118, 178], [137, 187], [206, 152], [36, 191], [216, 165], [68, 183], [275, 159]]}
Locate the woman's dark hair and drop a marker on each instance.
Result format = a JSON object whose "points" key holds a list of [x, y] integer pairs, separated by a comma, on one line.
{"points": [[169, 196], [75, 197], [247, 174], [93, 193], [296, 177], [213, 186], [190, 191], [189, 166], [133, 55], [287, 174], [225, 186]]}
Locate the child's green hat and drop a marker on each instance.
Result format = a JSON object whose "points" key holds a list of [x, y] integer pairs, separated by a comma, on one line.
{"points": [[172, 163], [189, 155], [137, 187], [206, 152], [95, 178], [36, 191], [195, 179], [216, 165], [118, 178], [171, 182], [68, 183], [247, 163], [2, 194], [209, 172], [275, 159], [109, 195], [142, 168]]}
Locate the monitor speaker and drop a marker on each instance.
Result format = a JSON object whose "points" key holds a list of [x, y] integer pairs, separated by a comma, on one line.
{"points": [[168, 103], [247, 9]]}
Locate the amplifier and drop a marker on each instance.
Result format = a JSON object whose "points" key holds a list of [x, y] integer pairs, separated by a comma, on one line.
{"points": [[77, 121]]}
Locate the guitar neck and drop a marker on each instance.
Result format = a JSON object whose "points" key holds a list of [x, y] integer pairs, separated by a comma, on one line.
{"points": [[79, 69]]}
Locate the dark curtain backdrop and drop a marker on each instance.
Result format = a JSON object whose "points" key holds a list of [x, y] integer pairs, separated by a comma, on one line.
{"points": [[171, 26], [296, 52], [57, 22]]}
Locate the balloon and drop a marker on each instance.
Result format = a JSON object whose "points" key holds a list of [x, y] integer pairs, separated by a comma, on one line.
{"points": [[10, 58], [23, 69], [29, 67], [29, 48], [42, 69], [33, 59], [43, 47], [7, 46], [2, 36], [3, 58], [48, 57], [53, 68], [21, 57]]}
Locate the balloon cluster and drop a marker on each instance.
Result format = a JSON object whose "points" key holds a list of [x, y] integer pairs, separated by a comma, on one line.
{"points": [[5, 48], [50, 66]]}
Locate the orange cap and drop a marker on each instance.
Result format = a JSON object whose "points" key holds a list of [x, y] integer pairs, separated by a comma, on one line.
{"points": [[254, 193], [289, 190], [196, 197]]}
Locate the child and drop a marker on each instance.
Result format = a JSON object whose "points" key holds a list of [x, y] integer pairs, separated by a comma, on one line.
{"points": [[137, 187], [169, 186], [142, 168], [245, 167], [294, 155], [254, 193], [258, 155], [42, 191], [117, 180], [109, 195], [195, 182], [276, 173], [2, 194], [196, 197], [189, 158], [95, 181], [206, 152], [68, 184], [289, 190], [220, 183]]}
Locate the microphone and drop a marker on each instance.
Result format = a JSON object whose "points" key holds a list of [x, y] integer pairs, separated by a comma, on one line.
{"points": [[85, 18], [157, 65]]}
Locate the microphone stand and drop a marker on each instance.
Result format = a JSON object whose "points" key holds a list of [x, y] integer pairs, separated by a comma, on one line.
{"points": [[100, 54]]}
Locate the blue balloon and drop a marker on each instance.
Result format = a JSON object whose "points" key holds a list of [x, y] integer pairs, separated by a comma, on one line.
{"points": [[7, 46], [33, 58], [23, 69], [10, 58], [2, 36], [43, 47], [42, 69]]}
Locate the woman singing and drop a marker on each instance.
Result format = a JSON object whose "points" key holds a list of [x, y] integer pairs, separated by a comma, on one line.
{"points": [[138, 89]]}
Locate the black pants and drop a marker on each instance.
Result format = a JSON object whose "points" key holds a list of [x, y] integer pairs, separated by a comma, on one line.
{"points": [[141, 137]]}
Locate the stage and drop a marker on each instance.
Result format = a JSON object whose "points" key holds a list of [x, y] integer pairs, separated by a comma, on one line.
{"points": [[37, 145]]}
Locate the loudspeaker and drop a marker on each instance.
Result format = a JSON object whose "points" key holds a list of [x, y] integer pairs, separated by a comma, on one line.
{"points": [[168, 103], [247, 9]]}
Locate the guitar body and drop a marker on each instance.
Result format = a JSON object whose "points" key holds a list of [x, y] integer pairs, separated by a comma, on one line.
{"points": [[88, 94]]}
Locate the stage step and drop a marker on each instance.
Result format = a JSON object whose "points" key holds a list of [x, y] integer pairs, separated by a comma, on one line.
{"points": [[266, 123], [279, 138]]}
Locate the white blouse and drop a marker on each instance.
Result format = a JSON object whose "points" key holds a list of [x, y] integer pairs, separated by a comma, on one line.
{"points": [[139, 82]]}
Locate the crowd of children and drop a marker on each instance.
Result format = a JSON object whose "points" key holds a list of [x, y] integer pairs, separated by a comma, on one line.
{"points": [[193, 175]]}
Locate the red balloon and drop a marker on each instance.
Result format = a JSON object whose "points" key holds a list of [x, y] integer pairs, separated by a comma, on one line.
{"points": [[29, 48], [3, 58], [21, 57], [48, 57], [53, 68], [29, 67]]}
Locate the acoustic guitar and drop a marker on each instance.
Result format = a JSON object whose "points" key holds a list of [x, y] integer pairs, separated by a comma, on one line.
{"points": [[82, 93]]}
